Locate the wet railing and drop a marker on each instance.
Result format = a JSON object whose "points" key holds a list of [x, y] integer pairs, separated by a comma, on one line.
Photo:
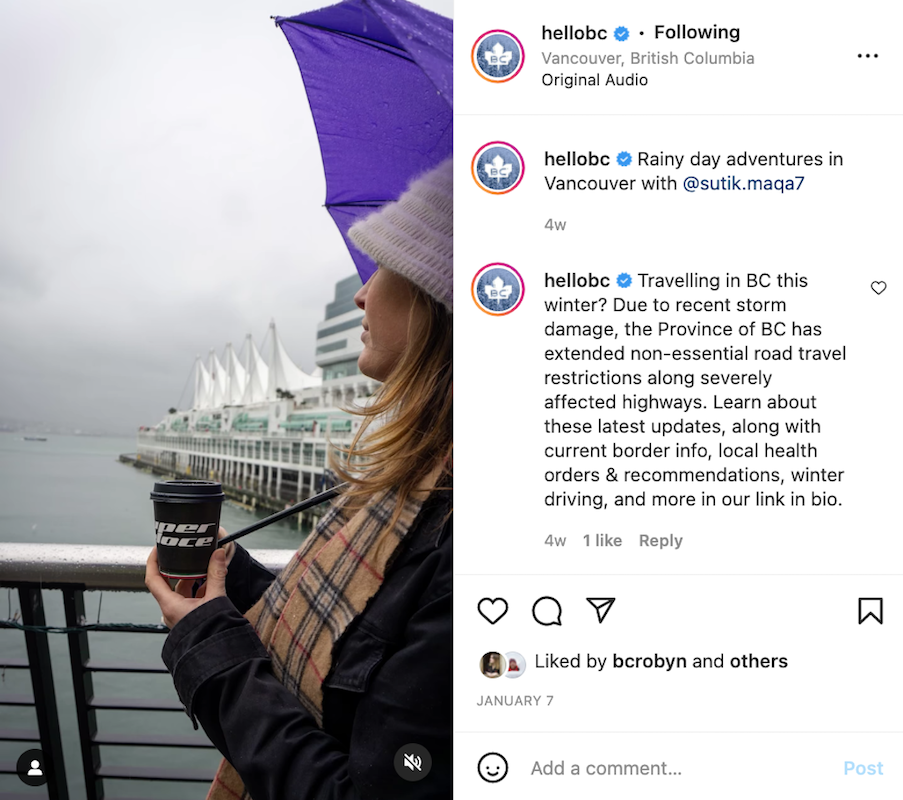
{"points": [[71, 570]]}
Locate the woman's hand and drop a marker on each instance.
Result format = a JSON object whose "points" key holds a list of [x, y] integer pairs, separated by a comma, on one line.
{"points": [[186, 588], [191, 583], [229, 548], [176, 604]]}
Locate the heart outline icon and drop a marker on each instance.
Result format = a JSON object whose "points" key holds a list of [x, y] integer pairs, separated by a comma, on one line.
{"points": [[497, 607], [878, 286]]}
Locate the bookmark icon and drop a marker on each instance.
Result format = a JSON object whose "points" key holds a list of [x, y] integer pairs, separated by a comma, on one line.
{"points": [[871, 607]]}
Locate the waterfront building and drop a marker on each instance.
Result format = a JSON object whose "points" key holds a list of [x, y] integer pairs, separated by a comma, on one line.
{"points": [[262, 426]]}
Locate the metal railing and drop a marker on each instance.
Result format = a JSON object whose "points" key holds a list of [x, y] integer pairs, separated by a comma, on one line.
{"points": [[73, 570]]}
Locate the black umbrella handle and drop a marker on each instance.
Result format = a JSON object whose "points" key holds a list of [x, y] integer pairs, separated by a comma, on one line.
{"points": [[316, 500]]}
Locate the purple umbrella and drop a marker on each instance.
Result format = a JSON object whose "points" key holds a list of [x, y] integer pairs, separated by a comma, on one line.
{"points": [[378, 75]]}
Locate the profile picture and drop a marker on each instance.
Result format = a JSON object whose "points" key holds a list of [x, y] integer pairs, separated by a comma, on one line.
{"points": [[493, 665], [497, 56], [497, 289], [516, 664], [497, 167]]}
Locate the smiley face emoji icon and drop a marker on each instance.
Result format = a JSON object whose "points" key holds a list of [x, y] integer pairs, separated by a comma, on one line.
{"points": [[493, 767]]}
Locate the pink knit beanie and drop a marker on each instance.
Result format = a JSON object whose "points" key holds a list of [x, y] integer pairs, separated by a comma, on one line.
{"points": [[413, 236]]}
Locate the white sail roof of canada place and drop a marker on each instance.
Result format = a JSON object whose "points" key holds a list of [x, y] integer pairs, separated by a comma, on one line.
{"points": [[284, 373], [246, 379], [217, 381], [202, 385], [236, 377], [257, 373]]}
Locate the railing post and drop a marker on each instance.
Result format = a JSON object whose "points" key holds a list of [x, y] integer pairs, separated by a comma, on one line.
{"points": [[32, 605], [83, 684]]}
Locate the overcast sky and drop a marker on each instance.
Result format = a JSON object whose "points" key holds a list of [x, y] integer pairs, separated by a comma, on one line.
{"points": [[161, 193]]}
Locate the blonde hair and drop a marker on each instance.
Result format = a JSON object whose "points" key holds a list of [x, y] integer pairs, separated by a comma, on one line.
{"points": [[414, 410]]}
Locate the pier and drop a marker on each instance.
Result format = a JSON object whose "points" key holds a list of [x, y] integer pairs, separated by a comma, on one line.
{"points": [[266, 473]]}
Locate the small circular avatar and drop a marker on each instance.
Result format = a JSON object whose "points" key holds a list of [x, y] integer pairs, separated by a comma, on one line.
{"points": [[517, 664], [497, 167], [493, 767], [492, 665], [497, 289], [497, 56]]}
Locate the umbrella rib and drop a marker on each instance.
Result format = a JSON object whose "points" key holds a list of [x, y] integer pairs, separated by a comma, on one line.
{"points": [[398, 51], [358, 203]]}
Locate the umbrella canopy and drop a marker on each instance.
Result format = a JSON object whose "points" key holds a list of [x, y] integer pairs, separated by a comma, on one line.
{"points": [[378, 75]]}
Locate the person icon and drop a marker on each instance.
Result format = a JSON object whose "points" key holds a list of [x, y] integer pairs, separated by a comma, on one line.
{"points": [[512, 665], [31, 767]]}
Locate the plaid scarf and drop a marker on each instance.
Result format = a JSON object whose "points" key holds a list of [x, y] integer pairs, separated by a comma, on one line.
{"points": [[330, 580]]}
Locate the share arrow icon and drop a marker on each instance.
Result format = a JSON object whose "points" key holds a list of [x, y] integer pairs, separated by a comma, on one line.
{"points": [[602, 605]]}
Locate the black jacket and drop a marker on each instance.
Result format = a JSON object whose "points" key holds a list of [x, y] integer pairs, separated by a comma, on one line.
{"points": [[389, 686]]}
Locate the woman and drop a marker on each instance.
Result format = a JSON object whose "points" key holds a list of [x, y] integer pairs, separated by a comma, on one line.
{"points": [[491, 665], [344, 658]]}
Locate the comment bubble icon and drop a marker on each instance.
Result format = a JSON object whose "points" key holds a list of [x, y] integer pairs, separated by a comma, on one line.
{"points": [[547, 611]]}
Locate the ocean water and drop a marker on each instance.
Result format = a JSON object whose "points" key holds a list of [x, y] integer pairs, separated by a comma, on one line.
{"points": [[72, 489]]}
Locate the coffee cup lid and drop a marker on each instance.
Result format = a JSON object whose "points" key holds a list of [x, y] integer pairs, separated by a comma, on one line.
{"points": [[187, 491]]}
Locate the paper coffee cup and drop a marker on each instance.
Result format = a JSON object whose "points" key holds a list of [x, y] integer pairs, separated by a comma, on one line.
{"points": [[186, 522]]}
